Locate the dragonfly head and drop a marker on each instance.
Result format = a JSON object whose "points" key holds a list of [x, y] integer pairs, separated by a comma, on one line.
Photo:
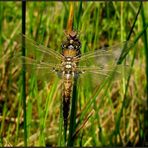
{"points": [[71, 46]]}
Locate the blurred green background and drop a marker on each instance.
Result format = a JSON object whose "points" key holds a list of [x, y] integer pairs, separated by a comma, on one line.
{"points": [[110, 119]]}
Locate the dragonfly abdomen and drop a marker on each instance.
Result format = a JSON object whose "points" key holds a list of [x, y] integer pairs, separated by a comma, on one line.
{"points": [[67, 82], [67, 92]]}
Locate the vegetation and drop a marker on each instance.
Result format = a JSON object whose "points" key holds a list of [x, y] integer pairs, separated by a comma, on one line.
{"points": [[114, 113]]}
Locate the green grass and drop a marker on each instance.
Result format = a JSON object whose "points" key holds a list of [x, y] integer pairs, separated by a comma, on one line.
{"points": [[111, 114]]}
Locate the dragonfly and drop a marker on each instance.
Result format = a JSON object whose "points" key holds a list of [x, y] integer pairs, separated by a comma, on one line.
{"points": [[71, 64]]}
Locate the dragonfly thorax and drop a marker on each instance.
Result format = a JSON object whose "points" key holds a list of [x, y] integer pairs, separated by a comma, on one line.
{"points": [[68, 64], [69, 67]]}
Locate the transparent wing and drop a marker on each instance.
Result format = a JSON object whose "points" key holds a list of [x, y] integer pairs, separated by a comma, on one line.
{"points": [[37, 51], [103, 63], [45, 63], [93, 77], [106, 56], [101, 73]]}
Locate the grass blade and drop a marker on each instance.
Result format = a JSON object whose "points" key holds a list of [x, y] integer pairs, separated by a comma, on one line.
{"points": [[145, 40], [23, 72]]}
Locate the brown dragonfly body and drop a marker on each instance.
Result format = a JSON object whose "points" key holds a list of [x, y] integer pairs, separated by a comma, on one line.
{"points": [[71, 52]]}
